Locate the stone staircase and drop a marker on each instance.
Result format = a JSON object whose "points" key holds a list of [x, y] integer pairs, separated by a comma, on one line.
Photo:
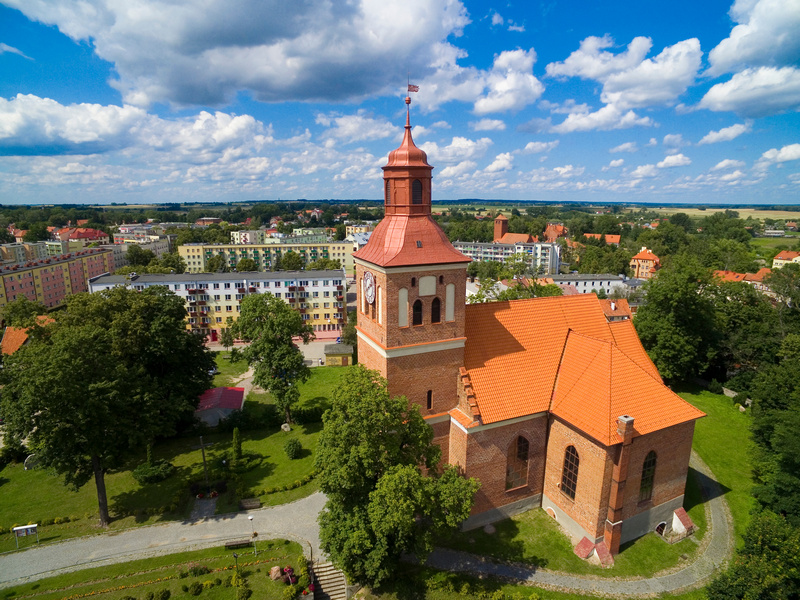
{"points": [[330, 583]]}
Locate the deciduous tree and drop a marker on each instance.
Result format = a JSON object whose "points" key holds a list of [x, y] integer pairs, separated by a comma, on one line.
{"points": [[115, 370], [292, 261], [269, 325], [369, 461]]}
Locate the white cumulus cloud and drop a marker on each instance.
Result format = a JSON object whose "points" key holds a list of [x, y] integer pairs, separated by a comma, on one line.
{"points": [[356, 128], [773, 156], [726, 134], [511, 83], [459, 149], [756, 92], [644, 171], [728, 163], [502, 162], [605, 118], [539, 147], [488, 125], [625, 147], [674, 160]]}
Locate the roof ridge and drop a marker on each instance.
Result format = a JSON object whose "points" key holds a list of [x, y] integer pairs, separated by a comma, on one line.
{"points": [[586, 366], [625, 354]]}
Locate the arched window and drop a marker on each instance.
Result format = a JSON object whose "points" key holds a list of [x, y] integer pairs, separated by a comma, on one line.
{"points": [[387, 192], [416, 317], [648, 476], [569, 476], [517, 464], [416, 192], [436, 311]]}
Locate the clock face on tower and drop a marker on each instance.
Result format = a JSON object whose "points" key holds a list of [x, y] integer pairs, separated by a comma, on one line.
{"points": [[369, 287]]}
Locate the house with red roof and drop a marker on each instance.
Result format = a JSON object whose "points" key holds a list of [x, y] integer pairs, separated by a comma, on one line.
{"points": [[785, 257], [553, 231], [609, 238], [550, 403], [84, 235], [16, 337], [218, 403], [645, 264]]}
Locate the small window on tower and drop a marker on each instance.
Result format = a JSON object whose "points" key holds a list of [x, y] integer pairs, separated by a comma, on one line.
{"points": [[387, 192], [413, 282], [416, 192], [430, 399]]}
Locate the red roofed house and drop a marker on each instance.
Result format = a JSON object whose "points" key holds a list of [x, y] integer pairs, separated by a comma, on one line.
{"points": [[501, 235], [645, 264], [555, 231], [610, 238], [729, 276], [84, 235], [785, 257], [217, 404], [546, 401], [16, 337]]}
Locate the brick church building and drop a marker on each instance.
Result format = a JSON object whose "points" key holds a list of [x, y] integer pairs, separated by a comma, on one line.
{"points": [[546, 401]]}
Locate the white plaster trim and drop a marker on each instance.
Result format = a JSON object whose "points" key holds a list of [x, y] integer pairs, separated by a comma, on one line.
{"points": [[410, 350], [415, 269], [479, 428], [459, 425]]}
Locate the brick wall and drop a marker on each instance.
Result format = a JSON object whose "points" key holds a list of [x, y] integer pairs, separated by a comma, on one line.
{"points": [[590, 506], [486, 457], [412, 376], [673, 447], [441, 437]]}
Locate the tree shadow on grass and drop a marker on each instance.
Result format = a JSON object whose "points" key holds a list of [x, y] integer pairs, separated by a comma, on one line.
{"points": [[4, 480], [150, 498], [503, 544]]}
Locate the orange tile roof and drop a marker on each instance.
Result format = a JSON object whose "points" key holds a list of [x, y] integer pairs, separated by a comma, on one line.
{"points": [[758, 275], [597, 383], [610, 237], [402, 240], [560, 354], [15, 337], [787, 255], [729, 276], [615, 308], [645, 254], [515, 238]]}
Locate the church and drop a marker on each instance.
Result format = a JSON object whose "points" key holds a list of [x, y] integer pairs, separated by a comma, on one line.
{"points": [[546, 401]]}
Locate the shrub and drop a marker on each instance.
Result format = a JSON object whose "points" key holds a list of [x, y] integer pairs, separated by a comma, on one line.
{"points": [[243, 593], [163, 594], [196, 588], [217, 581], [292, 447], [196, 570], [715, 387], [237, 444], [150, 596], [184, 588], [13, 451], [147, 473]]}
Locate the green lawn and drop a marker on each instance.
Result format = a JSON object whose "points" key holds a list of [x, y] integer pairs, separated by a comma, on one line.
{"points": [[723, 441], [138, 578], [36, 496], [228, 371]]}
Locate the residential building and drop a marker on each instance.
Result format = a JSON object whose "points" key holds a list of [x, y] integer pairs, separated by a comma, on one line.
{"points": [[609, 238], [645, 264], [543, 257], [16, 254], [546, 401], [51, 280], [253, 236], [554, 231], [785, 257], [211, 298], [265, 255], [359, 228], [206, 221], [83, 235], [587, 283]]}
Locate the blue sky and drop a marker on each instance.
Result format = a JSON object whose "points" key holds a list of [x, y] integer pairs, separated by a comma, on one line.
{"points": [[683, 101]]}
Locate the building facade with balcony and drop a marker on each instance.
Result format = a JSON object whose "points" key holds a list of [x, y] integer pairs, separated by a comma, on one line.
{"points": [[543, 257], [265, 255], [210, 298]]}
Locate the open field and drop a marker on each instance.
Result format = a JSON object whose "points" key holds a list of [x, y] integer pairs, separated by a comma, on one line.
{"points": [[756, 213]]}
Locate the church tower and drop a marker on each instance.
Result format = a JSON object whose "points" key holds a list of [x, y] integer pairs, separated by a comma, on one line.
{"points": [[412, 289]]}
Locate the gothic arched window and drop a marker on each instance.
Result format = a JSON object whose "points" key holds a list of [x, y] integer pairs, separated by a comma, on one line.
{"points": [[416, 315], [416, 192], [436, 311], [517, 463], [648, 477], [569, 476]]}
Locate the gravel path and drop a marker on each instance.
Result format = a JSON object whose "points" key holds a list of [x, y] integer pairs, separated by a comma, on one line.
{"points": [[298, 521], [697, 573]]}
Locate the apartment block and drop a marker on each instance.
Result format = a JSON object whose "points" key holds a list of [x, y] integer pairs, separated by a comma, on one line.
{"points": [[51, 280], [211, 298], [265, 255], [543, 257]]}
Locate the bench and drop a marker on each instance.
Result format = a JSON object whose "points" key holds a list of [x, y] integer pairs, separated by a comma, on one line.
{"points": [[237, 543], [249, 503]]}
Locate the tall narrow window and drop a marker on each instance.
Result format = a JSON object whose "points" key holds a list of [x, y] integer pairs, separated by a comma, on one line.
{"points": [[413, 282], [416, 192], [416, 317], [648, 476], [402, 307], [517, 463], [387, 192], [436, 311], [569, 476], [430, 399]]}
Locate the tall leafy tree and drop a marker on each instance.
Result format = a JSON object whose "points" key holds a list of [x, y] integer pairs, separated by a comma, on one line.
{"points": [[292, 261], [138, 256], [246, 264], [380, 505], [115, 370], [271, 326], [217, 264], [22, 312], [677, 322]]}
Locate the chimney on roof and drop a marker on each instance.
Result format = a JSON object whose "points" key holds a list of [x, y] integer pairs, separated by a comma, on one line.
{"points": [[613, 306], [625, 428]]}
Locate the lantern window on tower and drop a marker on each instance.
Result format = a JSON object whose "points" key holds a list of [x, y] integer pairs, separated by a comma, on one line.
{"points": [[416, 192]]}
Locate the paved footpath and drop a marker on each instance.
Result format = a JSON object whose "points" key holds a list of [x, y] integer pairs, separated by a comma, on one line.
{"points": [[298, 521]]}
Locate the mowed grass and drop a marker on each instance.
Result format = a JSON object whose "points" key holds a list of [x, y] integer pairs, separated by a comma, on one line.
{"points": [[139, 578], [722, 439], [37, 495]]}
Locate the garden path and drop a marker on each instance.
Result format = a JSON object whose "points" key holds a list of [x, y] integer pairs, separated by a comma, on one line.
{"points": [[298, 521]]}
